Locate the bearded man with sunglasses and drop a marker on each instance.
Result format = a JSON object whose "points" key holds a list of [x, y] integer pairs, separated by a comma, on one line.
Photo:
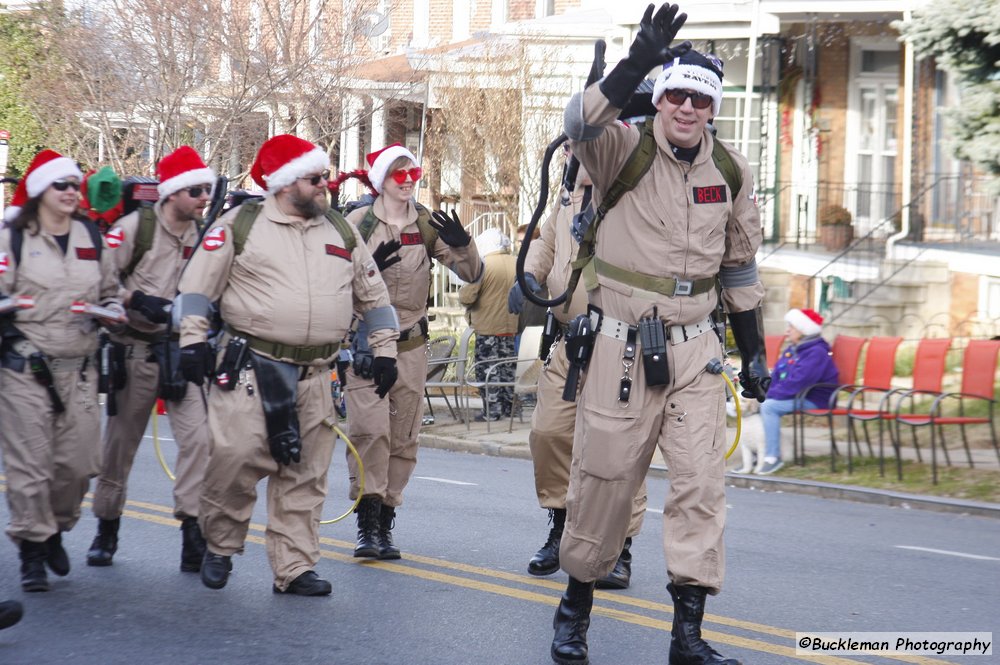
{"points": [[150, 355], [659, 253]]}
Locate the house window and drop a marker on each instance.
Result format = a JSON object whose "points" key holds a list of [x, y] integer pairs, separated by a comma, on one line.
{"points": [[460, 20], [545, 8], [499, 14], [992, 299], [421, 22]]}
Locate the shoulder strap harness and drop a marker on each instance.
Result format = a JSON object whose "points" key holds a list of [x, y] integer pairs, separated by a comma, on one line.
{"points": [[248, 215], [17, 240]]}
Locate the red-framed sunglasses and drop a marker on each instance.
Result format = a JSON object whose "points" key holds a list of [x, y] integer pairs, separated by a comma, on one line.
{"points": [[400, 175]]}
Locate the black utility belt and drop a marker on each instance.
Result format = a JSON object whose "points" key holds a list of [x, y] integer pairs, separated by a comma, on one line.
{"points": [[419, 329]]}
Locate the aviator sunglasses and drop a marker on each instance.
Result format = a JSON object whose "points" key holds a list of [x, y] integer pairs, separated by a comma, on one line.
{"points": [[698, 100], [399, 175], [63, 185], [315, 179], [195, 192]]}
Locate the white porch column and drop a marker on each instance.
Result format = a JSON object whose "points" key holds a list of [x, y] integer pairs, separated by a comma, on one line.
{"points": [[350, 143], [378, 139]]}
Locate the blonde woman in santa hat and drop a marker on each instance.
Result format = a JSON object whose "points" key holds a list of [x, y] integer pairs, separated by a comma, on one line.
{"points": [[50, 437], [404, 238], [806, 361], [149, 285]]}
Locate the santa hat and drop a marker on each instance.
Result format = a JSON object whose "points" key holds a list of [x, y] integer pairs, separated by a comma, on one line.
{"points": [[806, 321], [692, 71], [283, 159], [380, 161], [181, 169], [47, 167]]}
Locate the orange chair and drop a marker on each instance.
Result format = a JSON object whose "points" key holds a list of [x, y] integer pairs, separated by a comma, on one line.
{"points": [[772, 347], [846, 352], [979, 370]]}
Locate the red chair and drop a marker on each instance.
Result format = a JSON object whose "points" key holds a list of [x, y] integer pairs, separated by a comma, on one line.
{"points": [[772, 347], [846, 351], [979, 373], [928, 376]]}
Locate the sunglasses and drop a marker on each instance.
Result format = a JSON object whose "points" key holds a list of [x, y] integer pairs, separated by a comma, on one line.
{"points": [[399, 175], [195, 192], [63, 185], [698, 100], [315, 179]]}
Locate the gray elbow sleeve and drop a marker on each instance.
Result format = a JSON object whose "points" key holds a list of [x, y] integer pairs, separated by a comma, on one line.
{"points": [[576, 129], [378, 318], [745, 275], [190, 304]]}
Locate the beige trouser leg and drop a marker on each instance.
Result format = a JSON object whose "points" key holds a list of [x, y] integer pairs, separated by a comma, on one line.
{"points": [[384, 431], [613, 452], [551, 440], [48, 458], [189, 422], [240, 457]]}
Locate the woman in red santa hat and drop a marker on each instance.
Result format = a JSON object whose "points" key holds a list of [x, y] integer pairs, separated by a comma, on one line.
{"points": [[404, 237], [51, 259], [805, 362]]}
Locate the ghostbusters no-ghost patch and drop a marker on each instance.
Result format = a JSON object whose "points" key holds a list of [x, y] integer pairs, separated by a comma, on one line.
{"points": [[214, 239], [115, 237]]}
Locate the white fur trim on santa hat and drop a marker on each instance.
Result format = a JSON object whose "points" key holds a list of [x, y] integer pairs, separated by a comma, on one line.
{"points": [[803, 322], [184, 180], [689, 77], [55, 169], [314, 161], [380, 169]]}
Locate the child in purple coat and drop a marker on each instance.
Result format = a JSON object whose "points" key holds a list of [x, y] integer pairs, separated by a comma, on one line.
{"points": [[805, 362]]}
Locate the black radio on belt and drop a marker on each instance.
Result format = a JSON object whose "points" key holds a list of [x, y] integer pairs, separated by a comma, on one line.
{"points": [[233, 360], [549, 334], [654, 351], [579, 344]]}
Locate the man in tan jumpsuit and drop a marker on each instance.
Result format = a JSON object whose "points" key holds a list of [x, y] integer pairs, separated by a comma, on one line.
{"points": [[552, 422], [289, 295], [149, 286], [384, 431], [685, 229]]}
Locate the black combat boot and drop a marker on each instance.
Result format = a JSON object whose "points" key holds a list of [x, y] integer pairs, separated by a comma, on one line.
{"points": [[569, 646], [387, 520], [307, 584], [11, 612], [546, 560], [56, 557], [621, 574], [215, 569], [686, 645], [105, 543], [33, 577], [368, 525], [192, 545]]}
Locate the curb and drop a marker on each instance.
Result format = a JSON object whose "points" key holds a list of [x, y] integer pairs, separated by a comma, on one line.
{"points": [[765, 483]]}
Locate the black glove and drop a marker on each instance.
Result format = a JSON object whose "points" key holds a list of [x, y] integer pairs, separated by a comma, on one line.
{"points": [[384, 374], [650, 48], [385, 254], [286, 448], [748, 331], [154, 308], [196, 362], [515, 297], [450, 229]]}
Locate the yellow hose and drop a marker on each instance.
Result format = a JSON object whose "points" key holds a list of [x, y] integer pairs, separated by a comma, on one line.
{"points": [[156, 447], [739, 413], [361, 472]]}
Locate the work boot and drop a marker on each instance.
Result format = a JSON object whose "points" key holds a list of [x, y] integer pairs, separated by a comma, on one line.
{"points": [[105, 543], [569, 646], [56, 557], [215, 569], [621, 574], [33, 577], [686, 645], [387, 520], [307, 584], [11, 612], [368, 526], [192, 546], [546, 560]]}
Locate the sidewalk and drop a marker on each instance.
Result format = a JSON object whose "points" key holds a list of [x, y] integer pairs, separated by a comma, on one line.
{"points": [[493, 439]]}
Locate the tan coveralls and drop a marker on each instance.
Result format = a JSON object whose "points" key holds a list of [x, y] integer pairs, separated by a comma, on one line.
{"points": [[674, 224], [293, 284], [384, 431], [49, 458], [553, 420], [156, 274]]}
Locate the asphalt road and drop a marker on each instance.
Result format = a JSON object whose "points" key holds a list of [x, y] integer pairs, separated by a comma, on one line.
{"points": [[462, 595]]}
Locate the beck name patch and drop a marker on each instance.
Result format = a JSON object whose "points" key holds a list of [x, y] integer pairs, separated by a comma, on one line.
{"points": [[86, 253], [214, 239], [342, 252], [187, 251], [410, 239], [711, 194]]}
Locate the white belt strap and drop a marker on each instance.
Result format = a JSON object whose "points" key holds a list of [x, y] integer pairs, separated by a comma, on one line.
{"points": [[618, 330]]}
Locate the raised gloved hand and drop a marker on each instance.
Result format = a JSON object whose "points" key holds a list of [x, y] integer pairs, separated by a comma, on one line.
{"points": [[286, 448], [384, 374], [515, 297], [649, 49], [385, 254], [154, 308], [450, 229], [748, 331], [196, 362]]}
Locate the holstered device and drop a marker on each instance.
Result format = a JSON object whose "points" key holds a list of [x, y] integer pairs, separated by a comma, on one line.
{"points": [[550, 332], [278, 385], [111, 373], [40, 370], [579, 344], [172, 384], [654, 350], [234, 359]]}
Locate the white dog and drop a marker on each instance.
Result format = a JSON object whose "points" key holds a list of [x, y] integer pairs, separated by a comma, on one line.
{"points": [[751, 434]]}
